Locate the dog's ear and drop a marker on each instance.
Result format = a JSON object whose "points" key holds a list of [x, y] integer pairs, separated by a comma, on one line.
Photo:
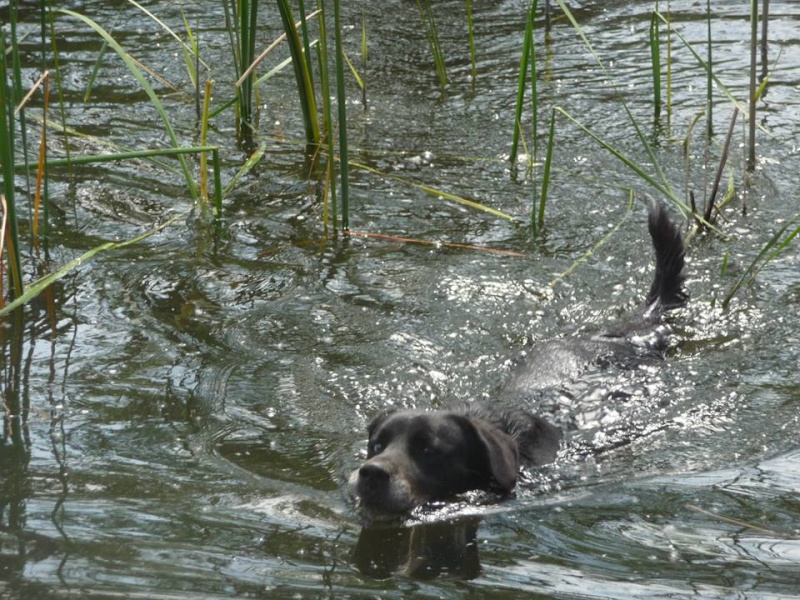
{"points": [[499, 454], [378, 419]]}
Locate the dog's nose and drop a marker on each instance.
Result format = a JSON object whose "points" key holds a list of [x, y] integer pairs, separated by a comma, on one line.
{"points": [[374, 474]]}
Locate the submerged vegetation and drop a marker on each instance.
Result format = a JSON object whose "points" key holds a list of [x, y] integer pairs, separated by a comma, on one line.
{"points": [[321, 59]]}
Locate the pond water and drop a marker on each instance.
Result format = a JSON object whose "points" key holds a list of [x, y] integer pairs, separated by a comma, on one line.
{"points": [[194, 408]]}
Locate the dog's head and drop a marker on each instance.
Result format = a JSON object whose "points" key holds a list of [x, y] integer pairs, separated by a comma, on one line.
{"points": [[414, 457]]}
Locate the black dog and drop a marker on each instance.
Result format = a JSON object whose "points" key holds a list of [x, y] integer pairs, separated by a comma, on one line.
{"points": [[416, 456]]}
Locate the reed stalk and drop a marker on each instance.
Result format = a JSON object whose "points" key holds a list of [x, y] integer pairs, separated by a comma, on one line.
{"points": [[328, 208], [341, 102], [302, 71], [668, 22], [655, 58], [364, 58], [133, 68], [526, 58], [245, 12], [777, 244], [660, 180], [764, 38], [40, 199], [432, 33], [537, 220], [204, 155], [751, 138], [10, 231], [709, 80], [707, 213]]}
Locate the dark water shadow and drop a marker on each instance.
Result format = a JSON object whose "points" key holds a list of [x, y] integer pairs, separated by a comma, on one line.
{"points": [[425, 551]]}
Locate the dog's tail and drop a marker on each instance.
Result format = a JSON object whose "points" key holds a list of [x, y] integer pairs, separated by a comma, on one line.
{"points": [[667, 290]]}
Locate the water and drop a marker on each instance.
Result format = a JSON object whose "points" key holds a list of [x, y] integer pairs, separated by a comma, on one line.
{"points": [[197, 404]]}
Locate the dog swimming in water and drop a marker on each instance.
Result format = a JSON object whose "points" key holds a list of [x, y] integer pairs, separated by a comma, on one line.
{"points": [[416, 456]]}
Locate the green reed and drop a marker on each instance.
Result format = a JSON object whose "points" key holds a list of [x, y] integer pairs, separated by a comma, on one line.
{"points": [[655, 58], [241, 21], [658, 179], [528, 58], [751, 138], [134, 69], [776, 245], [341, 101], [432, 33], [301, 61], [709, 80], [9, 94], [537, 217], [328, 208]]}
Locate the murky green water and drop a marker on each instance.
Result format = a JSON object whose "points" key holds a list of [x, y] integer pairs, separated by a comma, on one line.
{"points": [[194, 411]]}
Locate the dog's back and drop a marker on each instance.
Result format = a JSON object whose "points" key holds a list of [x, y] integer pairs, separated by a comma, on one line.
{"points": [[638, 338]]}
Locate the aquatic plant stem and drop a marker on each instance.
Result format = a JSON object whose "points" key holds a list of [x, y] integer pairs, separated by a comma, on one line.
{"points": [[723, 159], [148, 89], [709, 80], [538, 221], [751, 142], [341, 101], [7, 152], [302, 71], [426, 14], [655, 58], [329, 214], [527, 43], [40, 285]]}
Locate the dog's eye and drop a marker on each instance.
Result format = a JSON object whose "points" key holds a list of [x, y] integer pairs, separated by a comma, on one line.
{"points": [[375, 448], [429, 449]]}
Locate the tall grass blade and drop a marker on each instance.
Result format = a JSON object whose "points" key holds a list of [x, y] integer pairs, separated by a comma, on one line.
{"points": [[601, 242], [426, 14], [655, 57], [364, 57], [302, 72], [777, 244], [248, 11], [764, 38], [144, 154], [341, 101], [436, 192], [301, 6], [145, 85], [527, 45], [668, 22], [538, 220], [7, 153], [329, 208], [723, 159], [751, 138], [41, 172], [203, 155], [662, 183], [251, 162], [658, 183], [534, 89], [709, 80], [40, 285], [704, 64]]}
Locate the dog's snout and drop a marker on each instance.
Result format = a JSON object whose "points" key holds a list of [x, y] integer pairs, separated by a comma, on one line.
{"points": [[374, 474]]}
